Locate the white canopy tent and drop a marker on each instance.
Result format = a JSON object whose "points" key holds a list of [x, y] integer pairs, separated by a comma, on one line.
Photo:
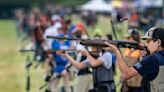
{"points": [[152, 3], [97, 6]]}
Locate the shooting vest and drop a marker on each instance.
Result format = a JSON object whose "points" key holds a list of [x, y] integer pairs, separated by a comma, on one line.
{"points": [[102, 75], [131, 58], [82, 58], [157, 85], [84, 70]]}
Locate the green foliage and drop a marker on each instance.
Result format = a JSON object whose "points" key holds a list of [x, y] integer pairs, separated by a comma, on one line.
{"points": [[71, 2], [42, 2]]}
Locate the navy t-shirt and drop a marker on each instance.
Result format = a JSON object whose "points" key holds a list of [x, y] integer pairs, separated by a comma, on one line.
{"points": [[148, 67], [160, 56]]}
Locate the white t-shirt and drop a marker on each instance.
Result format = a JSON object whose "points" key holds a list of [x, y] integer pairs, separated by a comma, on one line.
{"points": [[53, 31]]}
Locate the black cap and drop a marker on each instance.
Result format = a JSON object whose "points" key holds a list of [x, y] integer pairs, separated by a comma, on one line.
{"points": [[158, 34]]}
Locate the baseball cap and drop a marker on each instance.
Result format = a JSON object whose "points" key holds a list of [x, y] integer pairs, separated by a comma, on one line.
{"points": [[79, 27], [55, 17], [154, 33]]}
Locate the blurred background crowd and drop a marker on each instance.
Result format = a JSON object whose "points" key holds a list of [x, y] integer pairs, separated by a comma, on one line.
{"points": [[35, 19]]}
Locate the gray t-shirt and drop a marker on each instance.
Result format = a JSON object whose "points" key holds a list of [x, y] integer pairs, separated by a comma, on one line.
{"points": [[106, 58]]}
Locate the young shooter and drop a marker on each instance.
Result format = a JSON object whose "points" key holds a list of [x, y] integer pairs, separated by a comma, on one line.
{"points": [[151, 66]]}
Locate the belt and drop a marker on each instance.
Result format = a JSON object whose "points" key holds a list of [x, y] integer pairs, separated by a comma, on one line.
{"points": [[104, 82]]}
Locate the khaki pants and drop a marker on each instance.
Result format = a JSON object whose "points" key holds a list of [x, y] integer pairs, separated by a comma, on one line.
{"points": [[83, 83], [54, 85]]}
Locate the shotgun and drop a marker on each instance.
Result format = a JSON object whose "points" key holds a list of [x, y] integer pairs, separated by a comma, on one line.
{"points": [[101, 43], [93, 53]]}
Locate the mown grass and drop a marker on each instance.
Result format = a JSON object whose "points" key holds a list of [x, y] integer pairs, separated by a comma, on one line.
{"points": [[12, 70]]}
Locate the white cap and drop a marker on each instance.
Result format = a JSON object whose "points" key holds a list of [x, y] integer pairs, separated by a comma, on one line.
{"points": [[55, 17]]}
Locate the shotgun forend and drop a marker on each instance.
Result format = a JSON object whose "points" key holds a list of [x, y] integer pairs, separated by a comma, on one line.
{"points": [[121, 44]]}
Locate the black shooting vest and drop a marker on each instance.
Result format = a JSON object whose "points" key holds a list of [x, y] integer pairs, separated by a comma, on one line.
{"points": [[103, 77], [84, 70]]}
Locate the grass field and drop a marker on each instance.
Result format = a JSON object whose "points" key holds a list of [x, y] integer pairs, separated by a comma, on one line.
{"points": [[12, 62], [12, 70]]}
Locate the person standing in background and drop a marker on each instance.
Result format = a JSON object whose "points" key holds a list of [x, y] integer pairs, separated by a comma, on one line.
{"points": [[132, 56], [84, 80]]}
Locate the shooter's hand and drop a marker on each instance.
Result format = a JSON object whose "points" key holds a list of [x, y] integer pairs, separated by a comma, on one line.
{"points": [[110, 47], [60, 52], [65, 54]]}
